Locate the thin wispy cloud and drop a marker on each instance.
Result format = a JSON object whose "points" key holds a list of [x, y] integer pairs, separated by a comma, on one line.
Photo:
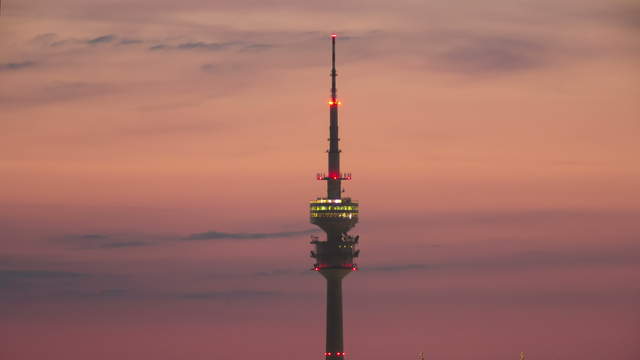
{"points": [[130, 41], [37, 283], [93, 236], [282, 272], [59, 91], [222, 68], [626, 15], [217, 235], [101, 39], [530, 260], [123, 244], [96, 241], [521, 217], [105, 293], [491, 55], [12, 66], [204, 45], [195, 45], [519, 298], [15, 275], [257, 47], [229, 295], [108, 241], [158, 47]]}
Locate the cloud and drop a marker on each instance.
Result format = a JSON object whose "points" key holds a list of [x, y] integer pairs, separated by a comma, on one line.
{"points": [[257, 47], [93, 236], [130, 41], [223, 68], [216, 235], [20, 282], [626, 15], [16, 65], [59, 91], [631, 17], [107, 241], [54, 40], [158, 47], [282, 272], [96, 241], [510, 297], [38, 285], [229, 295], [106, 293], [204, 45], [195, 45], [491, 55], [210, 67], [101, 39], [45, 38], [62, 91], [524, 261], [123, 244], [522, 217], [404, 267], [12, 275], [38, 279]]}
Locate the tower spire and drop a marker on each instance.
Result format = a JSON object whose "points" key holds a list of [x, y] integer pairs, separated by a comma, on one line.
{"points": [[334, 188], [334, 74]]}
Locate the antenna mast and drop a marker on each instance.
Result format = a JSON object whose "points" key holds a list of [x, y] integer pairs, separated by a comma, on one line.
{"points": [[334, 91]]}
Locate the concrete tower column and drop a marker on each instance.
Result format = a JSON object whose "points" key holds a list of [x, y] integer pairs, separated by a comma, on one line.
{"points": [[335, 340]]}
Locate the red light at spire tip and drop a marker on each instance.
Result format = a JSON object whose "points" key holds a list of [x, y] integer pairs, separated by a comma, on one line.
{"points": [[333, 35]]}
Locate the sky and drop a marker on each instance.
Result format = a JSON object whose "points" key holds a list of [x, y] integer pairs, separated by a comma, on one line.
{"points": [[157, 158]]}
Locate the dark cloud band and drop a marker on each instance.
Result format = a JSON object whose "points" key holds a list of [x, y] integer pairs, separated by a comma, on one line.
{"points": [[216, 235]]}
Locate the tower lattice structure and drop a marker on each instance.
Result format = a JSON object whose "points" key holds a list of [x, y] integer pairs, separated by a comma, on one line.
{"points": [[335, 215]]}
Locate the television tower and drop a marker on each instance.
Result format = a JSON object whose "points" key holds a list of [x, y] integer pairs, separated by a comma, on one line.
{"points": [[336, 215]]}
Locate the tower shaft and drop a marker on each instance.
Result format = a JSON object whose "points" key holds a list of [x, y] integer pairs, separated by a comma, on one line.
{"points": [[334, 348], [334, 316]]}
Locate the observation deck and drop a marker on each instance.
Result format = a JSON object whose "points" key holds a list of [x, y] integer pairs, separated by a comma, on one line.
{"points": [[334, 215]]}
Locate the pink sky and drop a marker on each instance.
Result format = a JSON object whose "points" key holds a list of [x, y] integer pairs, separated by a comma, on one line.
{"points": [[494, 151]]}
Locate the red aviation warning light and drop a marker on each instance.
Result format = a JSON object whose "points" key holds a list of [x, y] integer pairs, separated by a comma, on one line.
{"points": [[333, 176], [334, 35], [333, 102]]}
